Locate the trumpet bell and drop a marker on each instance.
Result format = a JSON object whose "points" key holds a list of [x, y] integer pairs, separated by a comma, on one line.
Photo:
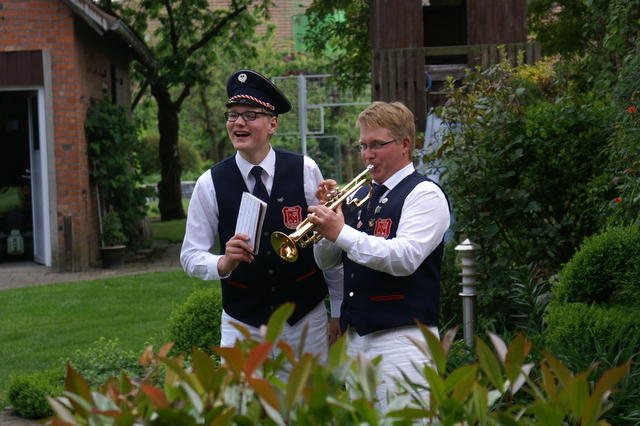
{"points": [[284, 246]]}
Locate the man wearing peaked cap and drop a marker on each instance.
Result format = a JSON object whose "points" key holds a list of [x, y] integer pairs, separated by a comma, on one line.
{"points": [[251, 88], [255, 284]]}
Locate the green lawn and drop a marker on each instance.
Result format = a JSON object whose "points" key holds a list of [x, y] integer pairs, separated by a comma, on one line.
{"points": [[154, 213], [41, 325], [171, 230]]}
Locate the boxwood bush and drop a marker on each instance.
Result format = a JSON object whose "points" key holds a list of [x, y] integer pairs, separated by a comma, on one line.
{"points": [[605, 271], [28, 393], [598, 337], [105, 358], [584, 328], [196, 323]]}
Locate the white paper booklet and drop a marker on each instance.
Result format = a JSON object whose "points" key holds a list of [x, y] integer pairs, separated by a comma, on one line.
{"points": [[250, 219]]}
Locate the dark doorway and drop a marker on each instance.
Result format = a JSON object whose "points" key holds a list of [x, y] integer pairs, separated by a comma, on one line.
{"points": [[16, 224]]}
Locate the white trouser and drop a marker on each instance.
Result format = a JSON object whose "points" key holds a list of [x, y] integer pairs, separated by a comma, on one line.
{"points": [[316, 340], [399, 355]]}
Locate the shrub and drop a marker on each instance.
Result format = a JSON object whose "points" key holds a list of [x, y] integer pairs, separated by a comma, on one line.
{"points": [[105, 358], [583, 327], [530, 295], [596, 337], [112, 233], [605, 271], [28, 393], [450, 300], [510, 145], [196, 323], [624, 156], [243, 389], [113, 146]]}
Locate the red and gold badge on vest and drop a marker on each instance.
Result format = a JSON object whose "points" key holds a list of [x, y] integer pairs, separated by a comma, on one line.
{"points": [[382, 228], [292, 216]]}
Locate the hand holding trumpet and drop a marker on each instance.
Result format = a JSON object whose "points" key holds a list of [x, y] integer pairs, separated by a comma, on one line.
{"points": [[328, 216], [326, 222], [326, 190]]}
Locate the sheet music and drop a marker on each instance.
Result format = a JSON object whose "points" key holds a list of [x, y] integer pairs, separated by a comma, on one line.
{"points": [[251, 218]]}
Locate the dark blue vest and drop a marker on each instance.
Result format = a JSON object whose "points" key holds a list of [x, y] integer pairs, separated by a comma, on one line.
{"points": [[375, 300], [254, 290]]}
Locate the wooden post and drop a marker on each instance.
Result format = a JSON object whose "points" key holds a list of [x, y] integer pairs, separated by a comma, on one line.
{"points": [[68, 244]]}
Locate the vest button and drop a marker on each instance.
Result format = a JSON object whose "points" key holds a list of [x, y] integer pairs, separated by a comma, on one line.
{"points": [[266, 234], [270, 272], [350, 294], [273, 288], [353, 276]]}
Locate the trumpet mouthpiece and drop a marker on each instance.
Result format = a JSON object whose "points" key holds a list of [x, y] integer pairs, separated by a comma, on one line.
{"points": [[369, 167]]}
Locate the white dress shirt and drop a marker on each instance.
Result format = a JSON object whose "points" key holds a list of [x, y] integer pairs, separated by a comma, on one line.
{"points": [[202, 222], [423, 221]]}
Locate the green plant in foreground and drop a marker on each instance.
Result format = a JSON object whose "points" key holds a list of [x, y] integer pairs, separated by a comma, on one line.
{"points": [[247, 388]]}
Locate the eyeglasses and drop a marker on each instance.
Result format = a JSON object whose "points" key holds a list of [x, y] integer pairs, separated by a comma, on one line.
{"points": [[246, 116], [374, 146]]}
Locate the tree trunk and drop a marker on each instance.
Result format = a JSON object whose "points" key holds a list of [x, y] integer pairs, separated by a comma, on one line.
{"points": [[169, 191]]}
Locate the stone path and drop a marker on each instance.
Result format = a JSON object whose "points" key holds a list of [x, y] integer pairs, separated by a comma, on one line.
{"points": [[165, 257], [7, 418]]}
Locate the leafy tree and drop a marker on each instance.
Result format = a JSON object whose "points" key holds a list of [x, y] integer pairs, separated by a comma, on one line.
{"points": [[341, 27], [204, 111], [182, 39], [598, 36]]}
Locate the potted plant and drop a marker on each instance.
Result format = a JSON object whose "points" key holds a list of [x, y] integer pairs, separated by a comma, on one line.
{"points": [[113, 146], [114, 241]]}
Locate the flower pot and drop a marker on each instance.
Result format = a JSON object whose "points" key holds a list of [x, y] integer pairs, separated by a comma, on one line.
{"points": [[112, 256]]}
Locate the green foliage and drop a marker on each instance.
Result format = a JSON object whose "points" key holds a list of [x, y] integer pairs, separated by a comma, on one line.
{"points": [[450, 303], [113, 147], [28, 393], [511, 144], [190, 157], [580, 327], [624, 155], [592, 336], [112, 233], [171, 230], [246, 388], [595, 35], [605, 271], [341, 28], [104, 359], [594, 317], [196, 323], [530, 295], [42, 324]]}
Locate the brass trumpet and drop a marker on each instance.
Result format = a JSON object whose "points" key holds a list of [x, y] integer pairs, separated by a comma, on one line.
{"points": [[285, 245]]}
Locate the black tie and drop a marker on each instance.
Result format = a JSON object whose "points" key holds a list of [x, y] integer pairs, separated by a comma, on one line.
{"points": [[376, 193], [259, 190]]}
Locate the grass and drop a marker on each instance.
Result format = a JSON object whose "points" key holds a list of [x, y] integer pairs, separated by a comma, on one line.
{"points": [[171, 230], [153, 212], [41, 325]]}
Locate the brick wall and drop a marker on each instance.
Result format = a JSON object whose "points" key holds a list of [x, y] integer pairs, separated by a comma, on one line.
{"points": [[80, 69], [281, 15]]}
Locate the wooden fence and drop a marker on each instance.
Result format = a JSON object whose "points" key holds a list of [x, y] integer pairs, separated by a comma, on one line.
{"points": [[401, 74]]}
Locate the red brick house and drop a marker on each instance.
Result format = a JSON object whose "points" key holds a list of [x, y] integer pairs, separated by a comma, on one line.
{"points": [[55, 56]]}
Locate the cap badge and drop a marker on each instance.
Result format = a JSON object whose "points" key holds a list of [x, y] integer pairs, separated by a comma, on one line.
{"points": [[242, 77]]}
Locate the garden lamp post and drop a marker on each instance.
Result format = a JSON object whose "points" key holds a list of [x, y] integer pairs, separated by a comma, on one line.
{"points": [[467, 254]]}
